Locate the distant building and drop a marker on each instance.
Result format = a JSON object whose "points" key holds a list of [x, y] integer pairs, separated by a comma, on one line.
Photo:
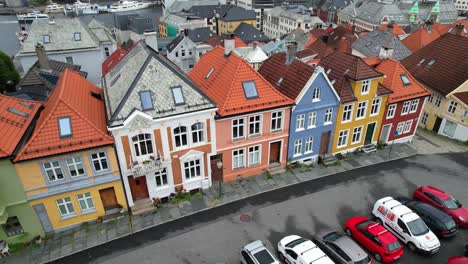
{"points": [[173, 24], [249, 34], [461, 5], [208, 12], [233, 17], [254, 55], [282, 20], [132, 26], [372, 43], [71, 41]]}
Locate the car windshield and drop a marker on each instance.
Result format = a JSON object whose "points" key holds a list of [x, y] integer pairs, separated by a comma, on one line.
{"points": [[296, 242], [264, 257], [417, 227], [452, 204], [332, 236], [364, 224], [393, 246], [450, 224]]}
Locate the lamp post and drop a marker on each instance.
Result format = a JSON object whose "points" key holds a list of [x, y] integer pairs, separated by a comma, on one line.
{"points": [[219, 164]]}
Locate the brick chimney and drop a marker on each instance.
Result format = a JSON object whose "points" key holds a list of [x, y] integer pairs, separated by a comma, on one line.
{"points": [[459, 29], [42, 58], [343, 45], [291, 50], [385, 53]]}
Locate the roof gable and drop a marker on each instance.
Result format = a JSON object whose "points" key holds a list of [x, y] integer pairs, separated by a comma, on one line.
{"points": [[420, 38], [370, 44], [249, 33]]}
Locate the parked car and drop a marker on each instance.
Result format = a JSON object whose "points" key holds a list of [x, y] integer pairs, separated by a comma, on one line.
{"points": [[343, 246], [297, 250], [384, 246], [406, 225], [439, 222], [444, 202], [257, 253], [458, 260]]}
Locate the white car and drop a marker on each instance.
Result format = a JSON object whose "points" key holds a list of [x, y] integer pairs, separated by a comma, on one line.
{"points": [[257, 253], [297, 250], [405, 225]]}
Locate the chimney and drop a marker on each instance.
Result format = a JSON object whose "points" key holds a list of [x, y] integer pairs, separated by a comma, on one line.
{"points": [[186, 32], [42, 58], [229, 45], [151, 39], [385, 53], [459, 29], [390, 26], [254, 45], [291, 53], [343, 45]]}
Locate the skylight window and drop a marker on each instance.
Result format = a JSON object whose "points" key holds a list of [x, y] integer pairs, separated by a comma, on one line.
{"points": [[46, 39], [28, 105], [17, 112], [421, 62], [209, 73], [250, 90], [77, 36], [178, 95], [280, 80], [405, 79], [146, 100], [431, 63], [65, 126]]}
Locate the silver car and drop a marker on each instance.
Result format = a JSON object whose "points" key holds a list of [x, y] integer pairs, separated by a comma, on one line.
{"points": [[345, 247], [257, 253]]}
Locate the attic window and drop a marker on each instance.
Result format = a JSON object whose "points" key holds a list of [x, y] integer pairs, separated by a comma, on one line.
{"points": [[250, 90], [146, 100], [17, 112], [65, 126], [178, 95], [77, 36], [405, 79], [421, 62], [209, 73], [46, 39], [431, 63]]}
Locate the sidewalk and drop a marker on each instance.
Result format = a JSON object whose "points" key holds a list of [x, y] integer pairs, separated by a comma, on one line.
{"points": [[428, 142], [90, 235]]}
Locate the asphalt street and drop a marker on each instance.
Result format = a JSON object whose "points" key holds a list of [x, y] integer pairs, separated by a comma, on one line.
{"points": [[216, 235]]}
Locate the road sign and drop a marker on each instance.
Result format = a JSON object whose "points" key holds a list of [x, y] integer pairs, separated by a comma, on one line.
{"points": [[395, 133]]}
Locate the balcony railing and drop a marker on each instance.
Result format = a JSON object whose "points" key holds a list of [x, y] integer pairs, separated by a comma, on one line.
{"points": [[150, 166]]}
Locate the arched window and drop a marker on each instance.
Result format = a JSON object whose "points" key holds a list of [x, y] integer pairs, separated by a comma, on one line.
{"points": [[180, 135], [142, 144], [198, 133]]}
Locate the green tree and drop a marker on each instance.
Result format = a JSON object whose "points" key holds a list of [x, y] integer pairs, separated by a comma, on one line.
{"points": [[7, 71]]}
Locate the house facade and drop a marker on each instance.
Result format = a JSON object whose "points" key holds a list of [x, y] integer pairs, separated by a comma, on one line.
{"points": [[402, 112], [18, 222], [163, 127], [233, 17], [68, 167], [70, 41], [252, 121], [363, 100], [171, 25], [313, 117]]}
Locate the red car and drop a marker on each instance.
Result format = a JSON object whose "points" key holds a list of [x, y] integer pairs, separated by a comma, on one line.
{"points": [[382, 244], [458, 260], [444, 202]]}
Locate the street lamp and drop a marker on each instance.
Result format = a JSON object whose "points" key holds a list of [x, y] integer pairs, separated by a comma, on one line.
{"points": [[219, 164]]}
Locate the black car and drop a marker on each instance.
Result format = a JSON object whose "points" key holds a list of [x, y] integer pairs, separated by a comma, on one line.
{"points": [[439, 222]]}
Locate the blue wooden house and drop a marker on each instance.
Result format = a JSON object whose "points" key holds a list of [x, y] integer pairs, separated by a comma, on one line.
{"points": [[313, 117]]}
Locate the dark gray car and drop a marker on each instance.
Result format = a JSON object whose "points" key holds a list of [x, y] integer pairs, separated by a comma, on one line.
{"points": [[345, 247]]}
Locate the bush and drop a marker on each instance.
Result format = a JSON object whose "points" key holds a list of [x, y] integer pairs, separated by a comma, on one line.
{"points": [[7, 71]]}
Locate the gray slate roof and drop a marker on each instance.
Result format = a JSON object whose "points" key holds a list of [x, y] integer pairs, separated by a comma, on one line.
{"points": [[178, 6], [298, 36], [273, 47], [295, 12], [142, 69], [371, 43], [207, 11], [200, 34], [236, 13], [62, 35], [249, 33]]}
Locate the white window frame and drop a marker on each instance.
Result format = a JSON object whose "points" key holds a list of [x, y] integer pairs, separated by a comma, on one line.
{"points": [[309, 145], [86, 198], [312, 120], [65, 202], [408, 126], [400, 127], [256, 123], [357, 130], [197, 133], [137, 144], [297, 148], [238, 127], [160, 174], [431, 98], [300, 120], [438, 101], [328, 116], [316, 95], [238, 157], [405, 108], [280, 118], [375, 107], [361, 109], [452, 107], [74, 165], [341, 134], [365, 87], [424, 118], [180, 135], [414, 106], [347, 111], [100, 159], [195, 165], [391, 111], [53, 169], [251, 155]]}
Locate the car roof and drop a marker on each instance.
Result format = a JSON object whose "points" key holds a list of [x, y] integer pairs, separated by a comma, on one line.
{"points": [[400, 210], [437, 192], [381, 233], [315, 256], [354, 251], [434, 212], [254, 246]]}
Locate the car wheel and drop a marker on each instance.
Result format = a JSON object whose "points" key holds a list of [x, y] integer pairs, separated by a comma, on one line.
{"points": [[378, 257], [348, 232], [411, 246]]}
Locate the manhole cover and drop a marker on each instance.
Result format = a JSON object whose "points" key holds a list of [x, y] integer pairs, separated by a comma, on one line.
{"points": [[245, 218]]}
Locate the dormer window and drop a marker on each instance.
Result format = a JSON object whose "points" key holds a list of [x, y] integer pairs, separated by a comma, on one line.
{"points": [[77, 36], [146, 100], [178, 95], [405, 79], [46, 39], [65, 126], [250, 90]]}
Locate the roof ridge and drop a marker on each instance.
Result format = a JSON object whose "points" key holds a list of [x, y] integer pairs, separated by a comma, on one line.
{"points": [[228, 96]]}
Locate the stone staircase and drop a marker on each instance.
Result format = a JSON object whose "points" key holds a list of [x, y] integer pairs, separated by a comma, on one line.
{"points": [[143, 206], [275, 168], [369, 148], [328, 160]]}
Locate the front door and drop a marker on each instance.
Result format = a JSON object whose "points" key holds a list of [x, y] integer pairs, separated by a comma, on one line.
{"points": [[275, 152], [324, 142], [138, 187], [108, 198], [216, 174], [369, 133], [43, 218], [437, 123], [385, 133]]}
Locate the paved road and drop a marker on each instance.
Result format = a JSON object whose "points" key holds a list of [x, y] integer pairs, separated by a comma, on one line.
{"points": [[215, 236]]}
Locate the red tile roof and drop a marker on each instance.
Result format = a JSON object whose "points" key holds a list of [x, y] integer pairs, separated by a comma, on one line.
{"points": [[462, 96], [311, 40], [463, 30], [13, 124], [420, 38], [396, 29], [442, 65], [382, 90], [224, 84], [72, 97], [112, 60], [336, 36], [393, 70], [318, 47], [373, 61], [293, 76], [316, 32]]}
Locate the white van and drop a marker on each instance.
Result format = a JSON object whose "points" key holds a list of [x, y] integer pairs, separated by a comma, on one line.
{"points": [[405, 225]]}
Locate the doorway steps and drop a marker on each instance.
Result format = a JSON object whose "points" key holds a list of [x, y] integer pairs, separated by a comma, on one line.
{"points": [[275, 168], [369, 148], [328, 160], [143, 206]]}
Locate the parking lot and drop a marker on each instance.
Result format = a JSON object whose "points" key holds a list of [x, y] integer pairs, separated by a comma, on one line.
{"points": [[304, 210]]}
